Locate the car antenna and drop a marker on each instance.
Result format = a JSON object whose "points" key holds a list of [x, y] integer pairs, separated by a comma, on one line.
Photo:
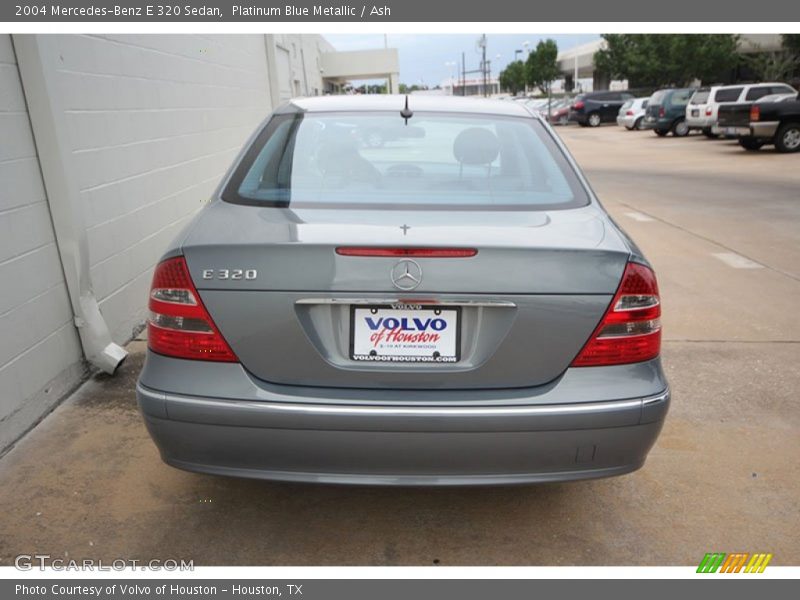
{"points": [[406, 113]]}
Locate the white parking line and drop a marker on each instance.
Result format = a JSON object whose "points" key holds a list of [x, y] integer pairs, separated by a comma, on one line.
{"points": [[736, 260], [637, 216]]}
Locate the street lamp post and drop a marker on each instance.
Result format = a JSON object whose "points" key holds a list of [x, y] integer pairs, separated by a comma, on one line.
{"points": [[450, 64], [491, 85], [527, 47]]}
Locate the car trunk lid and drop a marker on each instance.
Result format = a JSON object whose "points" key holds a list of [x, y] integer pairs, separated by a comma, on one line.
{"points": [[284, 299]]}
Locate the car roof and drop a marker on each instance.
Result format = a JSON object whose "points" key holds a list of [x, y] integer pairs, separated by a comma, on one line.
{"points": [[389, 102], [749, 85]]}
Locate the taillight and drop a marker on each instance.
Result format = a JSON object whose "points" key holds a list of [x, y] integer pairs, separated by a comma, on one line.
{"points": [[630, 331], [662, 112], [179, 324], [416, 252], [755, 112], [709, 111], [578, 105], [629, 113]]}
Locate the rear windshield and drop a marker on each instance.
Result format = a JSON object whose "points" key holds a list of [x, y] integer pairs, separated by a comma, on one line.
{"points": [[435, 161], [700, 97], [727, 94], [657, 97], [680, 97]]}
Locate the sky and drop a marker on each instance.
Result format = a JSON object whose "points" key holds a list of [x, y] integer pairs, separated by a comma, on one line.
{"points": [[423, 57]]}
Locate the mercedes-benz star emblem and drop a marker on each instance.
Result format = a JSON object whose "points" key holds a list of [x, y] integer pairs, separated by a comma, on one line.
{"points": [[406, 275]]}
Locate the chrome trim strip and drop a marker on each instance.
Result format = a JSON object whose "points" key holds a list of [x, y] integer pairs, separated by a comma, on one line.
{"points": [[423, 411], [592, 407], [433, 301], [662, 397]]}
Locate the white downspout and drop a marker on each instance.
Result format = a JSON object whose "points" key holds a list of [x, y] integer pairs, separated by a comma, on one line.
{"points": [[39, 80]]}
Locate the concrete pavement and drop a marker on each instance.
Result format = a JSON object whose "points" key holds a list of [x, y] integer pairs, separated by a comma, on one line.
{"points": [[724, 476]]}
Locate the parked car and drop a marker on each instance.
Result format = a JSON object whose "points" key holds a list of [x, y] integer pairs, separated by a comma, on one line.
{"points": [[631, 114], [592, 109], [666, 112], [559, 111], [344, 314], [770, 120], [702, 111], [559, 114], [753, 92]]}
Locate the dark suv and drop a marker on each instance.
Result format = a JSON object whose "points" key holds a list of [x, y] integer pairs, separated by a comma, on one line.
{"points": [[594, 108], [666, 111]]}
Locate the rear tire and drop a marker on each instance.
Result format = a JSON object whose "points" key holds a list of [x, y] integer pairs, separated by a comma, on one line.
{"points": [[680, 128], [594, 120], [750, 143], [638, 125], [661, 132], [788, 138]]}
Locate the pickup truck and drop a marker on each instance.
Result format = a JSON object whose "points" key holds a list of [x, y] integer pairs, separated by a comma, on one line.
{"points": [[772, 122]]}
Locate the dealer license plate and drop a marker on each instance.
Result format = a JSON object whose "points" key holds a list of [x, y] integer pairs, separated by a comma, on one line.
{"points": [[408, 333]]}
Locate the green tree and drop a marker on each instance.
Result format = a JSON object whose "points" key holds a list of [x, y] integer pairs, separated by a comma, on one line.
{"points": [[653, 60], [773, 66], [541, 68], [512, 78], [791, 43]]}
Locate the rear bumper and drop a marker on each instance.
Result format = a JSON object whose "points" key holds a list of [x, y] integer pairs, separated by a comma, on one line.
{"points": [[764, 129], [701, 122], [403, 445], [656, 123]]}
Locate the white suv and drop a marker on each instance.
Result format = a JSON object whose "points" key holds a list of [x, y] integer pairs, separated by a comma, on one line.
{"points": [[701, 112]]}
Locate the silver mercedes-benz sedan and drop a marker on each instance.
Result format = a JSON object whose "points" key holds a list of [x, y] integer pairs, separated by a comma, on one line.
{"points": [[410, 291]]}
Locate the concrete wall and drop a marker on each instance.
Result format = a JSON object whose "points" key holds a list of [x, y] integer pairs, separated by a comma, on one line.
{"points": [[133, 133], [153, 122], [40, 356], [298, 65]]}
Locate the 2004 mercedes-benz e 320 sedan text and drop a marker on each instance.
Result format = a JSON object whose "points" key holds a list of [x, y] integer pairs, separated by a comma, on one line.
{"points": [[404, 291]]}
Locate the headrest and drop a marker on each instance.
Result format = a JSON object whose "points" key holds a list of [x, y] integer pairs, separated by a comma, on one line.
{"points": [[476, 146]]}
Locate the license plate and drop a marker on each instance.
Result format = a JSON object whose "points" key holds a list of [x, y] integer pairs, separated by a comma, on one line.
{"points": [[695, 113], [731, 130], [409, 333]]}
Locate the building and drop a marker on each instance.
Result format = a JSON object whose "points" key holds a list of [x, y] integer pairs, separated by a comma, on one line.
{"points": [[110, 144], [339, 68], [470, 86]]}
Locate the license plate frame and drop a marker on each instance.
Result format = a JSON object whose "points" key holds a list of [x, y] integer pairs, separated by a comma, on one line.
{"points": [[422, 310]]}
